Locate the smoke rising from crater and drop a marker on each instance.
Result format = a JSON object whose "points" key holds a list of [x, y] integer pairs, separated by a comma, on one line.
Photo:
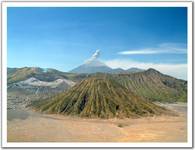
{"points": [[94, 56]]}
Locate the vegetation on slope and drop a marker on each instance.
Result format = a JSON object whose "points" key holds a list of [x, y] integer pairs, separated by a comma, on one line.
{"points": [[154, 86], [99, 96]]}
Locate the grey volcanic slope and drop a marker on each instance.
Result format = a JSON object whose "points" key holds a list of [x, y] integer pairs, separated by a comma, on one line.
{"points": [[92, 67]]}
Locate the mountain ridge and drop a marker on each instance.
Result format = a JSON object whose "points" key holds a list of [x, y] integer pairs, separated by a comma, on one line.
{"points": [[155, 86], [150, 84]]}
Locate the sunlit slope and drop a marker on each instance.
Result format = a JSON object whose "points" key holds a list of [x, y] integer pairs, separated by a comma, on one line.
{"points": [[155, 86], [99, 96]]}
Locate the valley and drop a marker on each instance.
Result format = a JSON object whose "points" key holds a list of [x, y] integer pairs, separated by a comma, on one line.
{"points": [[54, 106]]}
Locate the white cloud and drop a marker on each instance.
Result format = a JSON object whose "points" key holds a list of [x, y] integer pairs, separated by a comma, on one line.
{"points": [[166, 48], [140, 52], [175, 70]]}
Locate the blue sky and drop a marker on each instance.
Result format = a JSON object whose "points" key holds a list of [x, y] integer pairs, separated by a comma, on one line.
{"points": [[64, 38]]}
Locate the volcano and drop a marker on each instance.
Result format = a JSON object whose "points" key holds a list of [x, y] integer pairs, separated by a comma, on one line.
{"points": [[99, 96], [94, 65]]}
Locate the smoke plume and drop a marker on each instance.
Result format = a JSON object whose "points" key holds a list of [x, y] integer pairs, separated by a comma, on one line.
{"points": [[94, 56]]}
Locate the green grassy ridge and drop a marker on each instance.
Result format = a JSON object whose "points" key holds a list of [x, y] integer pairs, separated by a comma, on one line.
{"points": [[154, 86], [100, 96]]}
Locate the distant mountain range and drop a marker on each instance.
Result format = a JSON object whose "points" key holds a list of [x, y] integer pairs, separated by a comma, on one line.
{"points": [[95, 66]]}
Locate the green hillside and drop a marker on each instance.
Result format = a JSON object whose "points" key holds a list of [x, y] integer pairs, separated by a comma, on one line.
{"points": [[154, 86]]}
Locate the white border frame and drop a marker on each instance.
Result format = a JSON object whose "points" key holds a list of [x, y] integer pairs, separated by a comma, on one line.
{"points": [[6, 4]]}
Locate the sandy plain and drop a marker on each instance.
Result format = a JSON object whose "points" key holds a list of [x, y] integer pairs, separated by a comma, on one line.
{"points": [[35, 127]]}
